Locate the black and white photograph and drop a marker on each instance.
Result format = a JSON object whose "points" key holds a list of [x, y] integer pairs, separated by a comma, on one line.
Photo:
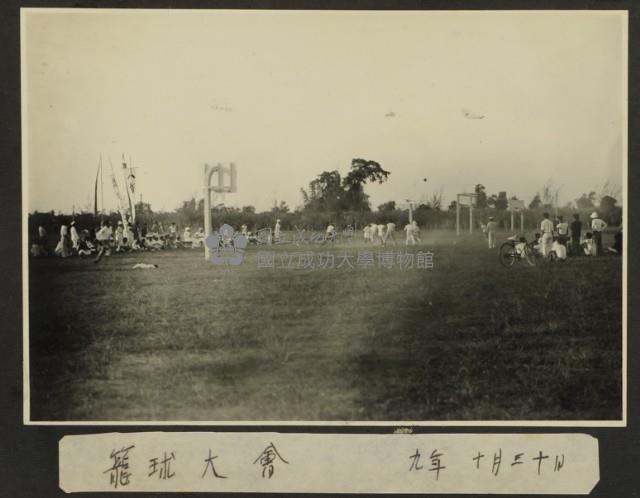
{"points": [[324, 217]]}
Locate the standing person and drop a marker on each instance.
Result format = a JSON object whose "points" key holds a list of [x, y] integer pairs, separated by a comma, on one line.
{"points": [[75, 238], [244, 230], [63, 249], [367, 233], [381, 230], [42, 241], [276, 232], [373, 232], [416, 231], [576, 232], [410, 235], [597, 227], [390, 233], [563, 231], [490, 230], [546, 227]]}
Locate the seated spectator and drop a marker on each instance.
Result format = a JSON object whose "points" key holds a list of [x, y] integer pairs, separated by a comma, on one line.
{"points": [[588, 245], [84, 247], [559, 248]]}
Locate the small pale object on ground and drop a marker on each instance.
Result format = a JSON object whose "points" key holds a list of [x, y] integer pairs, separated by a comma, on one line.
{"points": [[144, 266]]}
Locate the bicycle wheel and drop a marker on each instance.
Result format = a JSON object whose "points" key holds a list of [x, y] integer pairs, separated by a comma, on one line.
{"points": [[530, 256], [507, 254]]}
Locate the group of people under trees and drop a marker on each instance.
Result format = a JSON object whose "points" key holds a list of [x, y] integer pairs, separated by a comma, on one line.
{"points": [[114, 237], [562, 239]]}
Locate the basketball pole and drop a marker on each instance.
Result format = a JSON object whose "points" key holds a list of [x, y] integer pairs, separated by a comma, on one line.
{"points": [[220, 187]]}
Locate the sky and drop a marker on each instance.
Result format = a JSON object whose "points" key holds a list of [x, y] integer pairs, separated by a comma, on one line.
{"points": [[506, 99]]}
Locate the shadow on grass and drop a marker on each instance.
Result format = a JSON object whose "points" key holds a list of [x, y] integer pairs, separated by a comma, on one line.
{"points": [[485, 343]]}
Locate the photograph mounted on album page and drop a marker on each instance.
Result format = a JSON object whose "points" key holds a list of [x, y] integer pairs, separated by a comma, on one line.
{"points": [[239, 217]]}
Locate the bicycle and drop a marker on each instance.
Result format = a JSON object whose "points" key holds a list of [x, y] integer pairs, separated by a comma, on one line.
{"points": [[512, 251]]}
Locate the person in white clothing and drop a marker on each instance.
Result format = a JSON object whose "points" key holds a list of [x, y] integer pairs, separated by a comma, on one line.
{"points": [[390, 233], [373, 232], [411, 239], [367, 233], [597, 227], [490, 230], [276, 232], [381, 230], [63, 249], [588, 245], [563, 231], [416, 231], [330, 234], [559, 249], [75, 238], [546, 227]]}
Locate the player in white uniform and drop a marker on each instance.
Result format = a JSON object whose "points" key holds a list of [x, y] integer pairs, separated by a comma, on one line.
{"points": [[373, 232], [367, 233], [276, 232], [390, 233], [410, 233]]}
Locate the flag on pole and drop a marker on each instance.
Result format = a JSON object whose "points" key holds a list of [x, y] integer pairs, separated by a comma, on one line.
{"points": [[132, 211], [116, 190]]}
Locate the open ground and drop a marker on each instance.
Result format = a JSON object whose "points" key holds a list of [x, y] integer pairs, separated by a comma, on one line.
{"points": [[191, 341]]}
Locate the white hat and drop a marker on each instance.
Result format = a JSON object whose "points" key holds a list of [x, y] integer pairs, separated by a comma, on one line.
{"points": [[490, 218], [594, 215], [278, 220], [73, 223], [119, 222]]}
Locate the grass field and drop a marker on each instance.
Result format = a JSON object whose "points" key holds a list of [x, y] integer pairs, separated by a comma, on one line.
{"points": [[466, 340]]}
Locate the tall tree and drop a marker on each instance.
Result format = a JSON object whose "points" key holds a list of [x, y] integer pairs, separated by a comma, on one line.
{"points": [[330, 192], [536, 202], [481, 196], [387, 206], [325, 192], [501, 201], [362, 171], [607, 203], [586, 200]]}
